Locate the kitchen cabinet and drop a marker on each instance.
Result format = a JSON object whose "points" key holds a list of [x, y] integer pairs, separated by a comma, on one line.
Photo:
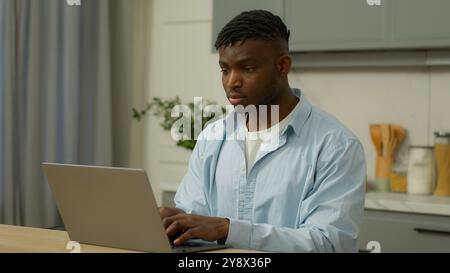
{"points": [[420, 24], [405, 232], [395, 231], [351, 25], [319, 25]]}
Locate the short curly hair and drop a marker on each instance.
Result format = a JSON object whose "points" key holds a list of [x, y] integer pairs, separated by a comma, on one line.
{"points": [[254, 24]]}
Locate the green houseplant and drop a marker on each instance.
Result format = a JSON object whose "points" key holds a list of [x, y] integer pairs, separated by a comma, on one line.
{"points": [[162, 109]]}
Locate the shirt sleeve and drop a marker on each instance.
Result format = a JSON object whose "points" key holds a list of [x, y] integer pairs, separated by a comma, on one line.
{"points": [[330, 214], [191, 194]]}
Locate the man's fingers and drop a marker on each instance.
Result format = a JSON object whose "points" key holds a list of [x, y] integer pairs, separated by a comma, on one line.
{"points": [[185, 219], [189, 234], [165, 212], [179, 224], [168, 212], [174, 228], [167, 221], [192, 226]]}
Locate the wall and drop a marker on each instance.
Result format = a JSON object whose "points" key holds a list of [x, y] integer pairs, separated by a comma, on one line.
{"points": [[181, 63], [415, 98]]}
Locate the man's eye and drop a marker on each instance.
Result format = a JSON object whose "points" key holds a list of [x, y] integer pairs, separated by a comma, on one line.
{"points": [[223, 70], [249, 69]]}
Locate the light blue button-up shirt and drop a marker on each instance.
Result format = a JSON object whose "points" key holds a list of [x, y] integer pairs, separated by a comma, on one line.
{"points": [[303, 194]]}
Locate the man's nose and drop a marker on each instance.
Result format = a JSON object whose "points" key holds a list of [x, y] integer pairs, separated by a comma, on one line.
{"points": [[234, 80]]}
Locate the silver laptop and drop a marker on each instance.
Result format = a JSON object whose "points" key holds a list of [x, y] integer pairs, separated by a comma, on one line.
{"points": [[112, 207]]}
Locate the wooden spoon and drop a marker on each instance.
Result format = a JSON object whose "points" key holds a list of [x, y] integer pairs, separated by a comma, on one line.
{"points": [[375, 134], [399, 132], [385, 137]]}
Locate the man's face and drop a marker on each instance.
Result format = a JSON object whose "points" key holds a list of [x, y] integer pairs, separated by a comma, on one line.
{"points": [[249, 72]]}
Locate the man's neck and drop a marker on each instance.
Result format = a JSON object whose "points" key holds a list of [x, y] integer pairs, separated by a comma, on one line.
{"points": [[286, 102]]}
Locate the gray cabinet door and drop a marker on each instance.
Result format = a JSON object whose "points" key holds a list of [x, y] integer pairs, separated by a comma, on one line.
{"points": [[351, 25], [420, 24], [404, 232], [328, 25], [225, 10]]}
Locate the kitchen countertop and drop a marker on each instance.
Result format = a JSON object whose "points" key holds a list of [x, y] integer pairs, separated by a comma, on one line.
{"points": [[409, 203], [388, 201]]}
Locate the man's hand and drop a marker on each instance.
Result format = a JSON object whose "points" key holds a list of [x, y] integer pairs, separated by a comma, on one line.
{"points": [[196, 226], [167, 212]]}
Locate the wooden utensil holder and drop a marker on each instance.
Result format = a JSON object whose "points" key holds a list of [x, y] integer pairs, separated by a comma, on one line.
{"points": [[442, 153], [383, 167]]}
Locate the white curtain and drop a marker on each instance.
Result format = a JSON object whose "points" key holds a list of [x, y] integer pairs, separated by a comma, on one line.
{"points": [[56, 99]]}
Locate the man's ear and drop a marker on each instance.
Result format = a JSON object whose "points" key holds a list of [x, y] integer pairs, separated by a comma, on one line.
{"points": [[284, 64]]}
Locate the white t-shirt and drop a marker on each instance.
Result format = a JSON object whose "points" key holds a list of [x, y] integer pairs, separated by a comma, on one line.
{"points": [[256, 142]]}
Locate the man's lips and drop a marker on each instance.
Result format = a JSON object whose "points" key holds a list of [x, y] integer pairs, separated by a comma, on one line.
{"points": [[236, 99]]}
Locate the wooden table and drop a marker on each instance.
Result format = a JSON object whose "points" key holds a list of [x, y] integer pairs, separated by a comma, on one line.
{"points": [[17, 239]]}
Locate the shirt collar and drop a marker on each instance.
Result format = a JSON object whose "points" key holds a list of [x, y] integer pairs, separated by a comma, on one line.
{"points": [[299, 117], [301, 114]]}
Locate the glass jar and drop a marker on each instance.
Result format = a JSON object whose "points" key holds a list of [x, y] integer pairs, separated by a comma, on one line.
{"points": [[420, 170]]}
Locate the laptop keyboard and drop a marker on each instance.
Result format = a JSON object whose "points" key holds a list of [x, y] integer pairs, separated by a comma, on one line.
{"points": [[188, 244], [193, 246]]}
